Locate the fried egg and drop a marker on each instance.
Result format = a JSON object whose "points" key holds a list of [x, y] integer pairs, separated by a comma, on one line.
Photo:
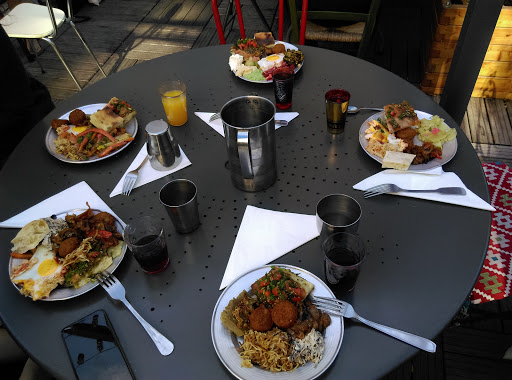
{"points": [[39, 275], [76, 130], [270, 61]]}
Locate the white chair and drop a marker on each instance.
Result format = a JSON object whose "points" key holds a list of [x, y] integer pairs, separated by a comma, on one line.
{"points": [[32, 21]]}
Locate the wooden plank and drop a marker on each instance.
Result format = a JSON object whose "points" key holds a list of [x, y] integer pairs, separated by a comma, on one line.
{"points": [[488, 69], [478, 122], [508, 106], [450, 33], [462, 367], [499, 121], [501, 53], [496, 152], [465, 126], [500, 88], [476, 343]]}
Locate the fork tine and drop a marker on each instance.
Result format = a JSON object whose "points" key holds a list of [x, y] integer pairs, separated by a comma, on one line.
{"points": [[131, 186], [372, 194], [129, 182]]}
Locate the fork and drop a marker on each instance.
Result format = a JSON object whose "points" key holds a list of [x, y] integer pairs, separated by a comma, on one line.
{"points": [[344, 309], [391, 188], [131, 178], [116, 291], [281, 123]]}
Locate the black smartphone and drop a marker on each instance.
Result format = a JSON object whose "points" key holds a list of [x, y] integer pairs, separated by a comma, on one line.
{"points": [[94, 349]]}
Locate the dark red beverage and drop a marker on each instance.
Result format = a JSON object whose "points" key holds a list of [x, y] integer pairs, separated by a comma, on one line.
{"points": [[283, 87], [341, 270], [151, 254]]}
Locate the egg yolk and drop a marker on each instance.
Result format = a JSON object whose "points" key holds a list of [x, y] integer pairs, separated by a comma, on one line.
{"points": [[79, 129], [272, 58], [47, 267]]}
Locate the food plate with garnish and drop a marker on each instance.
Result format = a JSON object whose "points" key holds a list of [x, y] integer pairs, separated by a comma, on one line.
{"points": [[292, 287], [423, 137], [55, 258], [255, 59], [92, 132]]}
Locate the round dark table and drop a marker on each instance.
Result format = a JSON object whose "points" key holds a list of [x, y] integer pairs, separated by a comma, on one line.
{"points": [[425, 256]]}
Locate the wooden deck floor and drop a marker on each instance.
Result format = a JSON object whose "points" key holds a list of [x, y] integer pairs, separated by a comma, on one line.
{"points": [[123, 33]]}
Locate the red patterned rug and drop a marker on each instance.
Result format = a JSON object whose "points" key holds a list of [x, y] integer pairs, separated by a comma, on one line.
{"points": [[495, 279]]}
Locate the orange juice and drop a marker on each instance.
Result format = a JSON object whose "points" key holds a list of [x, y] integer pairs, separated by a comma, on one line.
{"points": [[175, 106]]}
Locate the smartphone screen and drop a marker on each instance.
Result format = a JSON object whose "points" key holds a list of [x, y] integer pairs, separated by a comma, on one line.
{"points": [[94, 350]]}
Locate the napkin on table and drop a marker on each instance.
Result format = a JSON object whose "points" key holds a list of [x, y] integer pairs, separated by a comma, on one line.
{"points": [[429, 179], [265, 235], [217, 123], [67, 200], [147, 173]]}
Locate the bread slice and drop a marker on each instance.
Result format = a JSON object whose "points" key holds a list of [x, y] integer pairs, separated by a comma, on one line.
{"points": [[264, 38], [397, 160], [116, 114]]}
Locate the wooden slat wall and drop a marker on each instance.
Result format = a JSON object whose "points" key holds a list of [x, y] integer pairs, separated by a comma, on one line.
{"points": [[495, 77]]}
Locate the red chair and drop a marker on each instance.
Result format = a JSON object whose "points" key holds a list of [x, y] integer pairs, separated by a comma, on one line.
{"points": [[220, 29]]}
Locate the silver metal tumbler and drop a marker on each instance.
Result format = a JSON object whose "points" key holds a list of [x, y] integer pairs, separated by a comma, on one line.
{"points": [[163, 149], [180, 200]]}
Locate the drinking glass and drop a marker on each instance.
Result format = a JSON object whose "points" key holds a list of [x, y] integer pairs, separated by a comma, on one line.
{"points": [[283, 87], [343, 255], [174, 99], [145, 238], [336, 107]]}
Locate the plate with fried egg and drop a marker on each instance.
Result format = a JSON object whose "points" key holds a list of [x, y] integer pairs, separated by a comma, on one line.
{"points": [[370, 130], [131, 128], [43, 271], [266, 63]]}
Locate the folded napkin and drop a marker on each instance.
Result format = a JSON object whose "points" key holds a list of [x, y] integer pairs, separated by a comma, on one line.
{"points": [[429, 179], [67, 200], [146, 173], [217, 123], [265, 235]]}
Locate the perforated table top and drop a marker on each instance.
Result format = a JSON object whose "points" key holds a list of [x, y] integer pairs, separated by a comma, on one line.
{"points": [[424, 256]]}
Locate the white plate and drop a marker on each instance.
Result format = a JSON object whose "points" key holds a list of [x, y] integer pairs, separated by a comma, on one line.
{"points": [[51, 135], [223, 339], [61, 292], [288, 47], [449, 148]]}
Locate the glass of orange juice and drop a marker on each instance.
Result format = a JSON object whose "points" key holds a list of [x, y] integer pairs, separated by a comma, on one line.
{"points": [[174, 99]]}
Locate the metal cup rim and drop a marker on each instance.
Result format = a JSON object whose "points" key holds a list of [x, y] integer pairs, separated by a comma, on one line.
{"points": [[176, 181], [245, 97], [333, 225]]}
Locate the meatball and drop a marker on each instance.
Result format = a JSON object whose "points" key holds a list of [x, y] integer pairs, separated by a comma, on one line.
{"points": [[278, 48], [56, 123], [284, 314], [77, 117], [261, 319], [68, 246]]}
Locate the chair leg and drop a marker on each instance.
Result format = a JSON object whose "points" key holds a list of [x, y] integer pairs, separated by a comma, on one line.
{"points": [[31, 42], [86, 46], [62, 60]]}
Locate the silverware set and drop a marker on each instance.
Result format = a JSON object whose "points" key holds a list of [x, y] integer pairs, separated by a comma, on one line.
{"points": [[344, 309], [116, 291], [391, 188]]}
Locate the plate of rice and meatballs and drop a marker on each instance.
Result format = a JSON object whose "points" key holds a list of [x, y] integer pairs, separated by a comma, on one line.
{"points": [[400, 128], [264, 322]]}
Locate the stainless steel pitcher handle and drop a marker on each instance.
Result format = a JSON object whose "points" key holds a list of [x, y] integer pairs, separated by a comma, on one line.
{"points": [[244, 153]]}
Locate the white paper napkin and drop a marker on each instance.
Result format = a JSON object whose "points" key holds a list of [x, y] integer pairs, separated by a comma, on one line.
{"points": [[217, 123], [265, 235], [431, 179], [69, 199], [146, 173]]}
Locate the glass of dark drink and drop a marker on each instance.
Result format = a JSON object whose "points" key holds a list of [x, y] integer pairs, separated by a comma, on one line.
{"points": [[343, 255], [336, 107], [283, 87], [145, 238]]}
